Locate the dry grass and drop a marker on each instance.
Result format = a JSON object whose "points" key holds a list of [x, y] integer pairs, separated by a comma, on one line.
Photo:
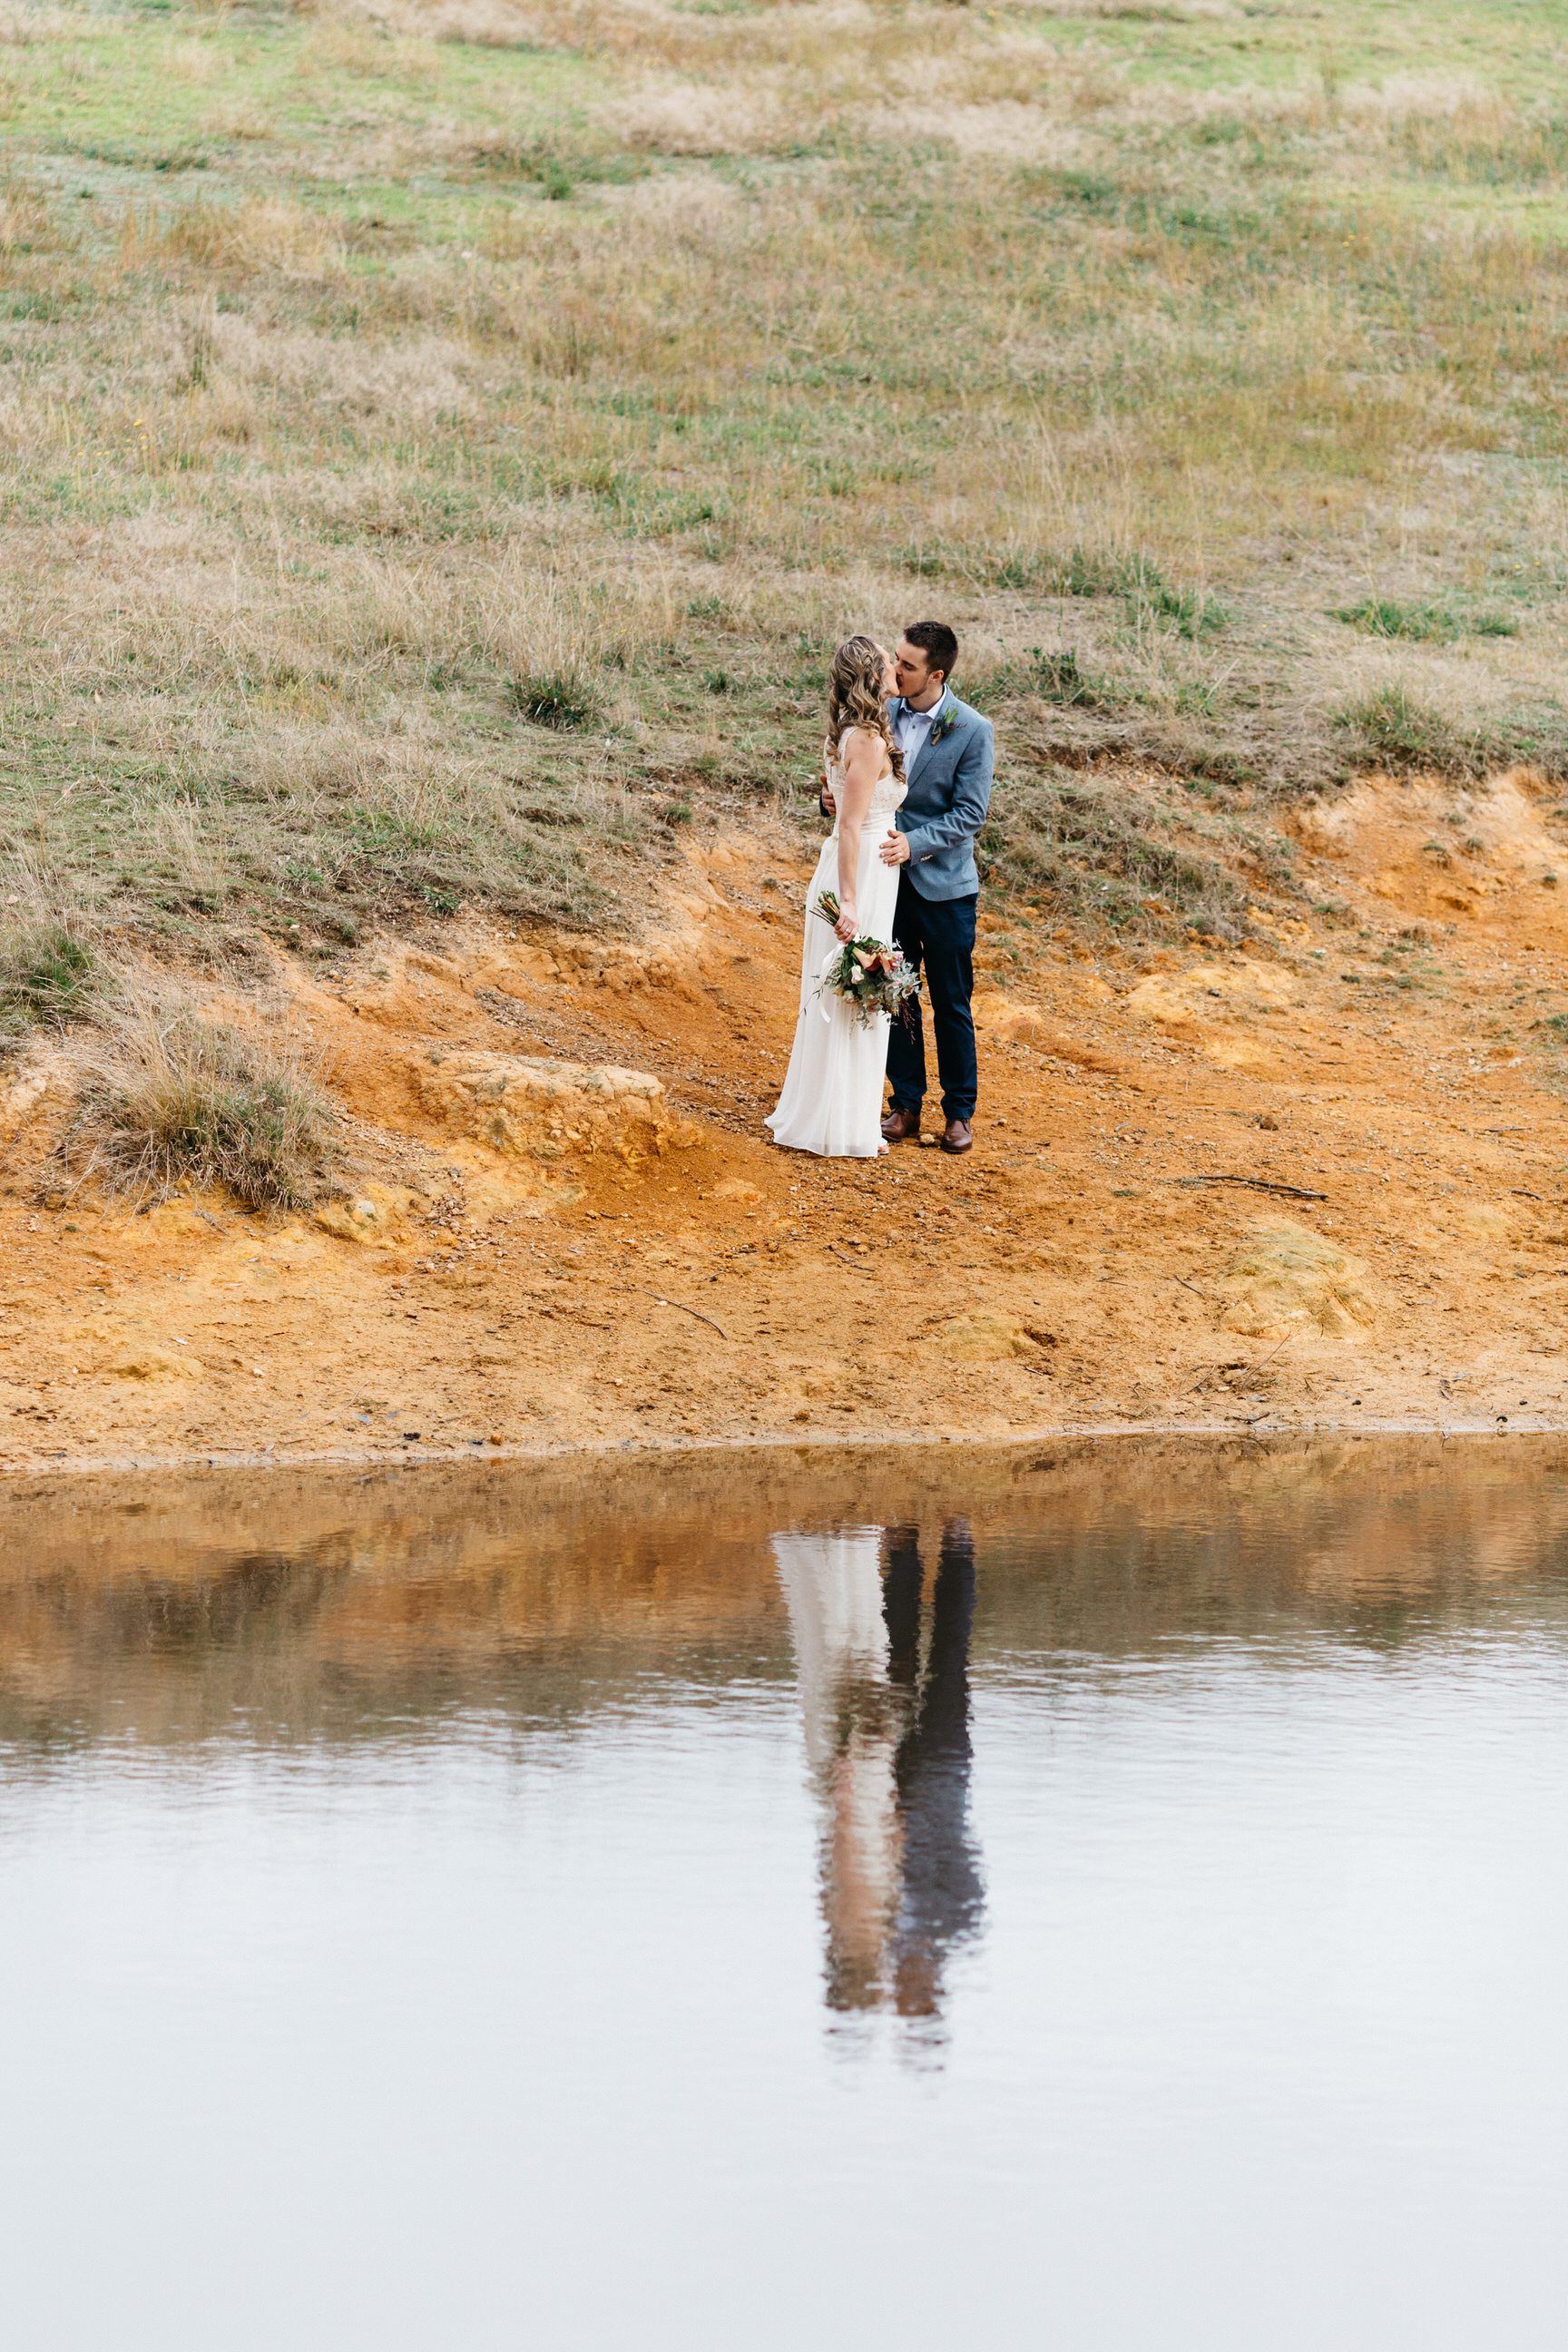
{"points": [[1134, 859], [169, 1098], [403, 428]]}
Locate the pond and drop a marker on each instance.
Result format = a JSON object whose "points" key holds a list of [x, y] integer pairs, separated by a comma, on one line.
{"points": [[1100, 1895]]}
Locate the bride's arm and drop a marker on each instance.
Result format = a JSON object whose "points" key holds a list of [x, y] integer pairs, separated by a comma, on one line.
{"points": [[861, 753]]}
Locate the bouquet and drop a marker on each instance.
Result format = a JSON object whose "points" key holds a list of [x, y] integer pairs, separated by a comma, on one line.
{"points": [[868, 974]]}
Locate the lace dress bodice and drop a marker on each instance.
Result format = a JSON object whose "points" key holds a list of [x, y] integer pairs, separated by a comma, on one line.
{"points": [[887, 795]]}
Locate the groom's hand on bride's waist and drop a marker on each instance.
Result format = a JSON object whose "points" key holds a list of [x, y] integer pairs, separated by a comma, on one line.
{"points": [[895, 850], [824, 799]]}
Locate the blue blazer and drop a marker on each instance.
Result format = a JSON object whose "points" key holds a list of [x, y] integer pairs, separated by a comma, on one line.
{"points": [[949, 793]]}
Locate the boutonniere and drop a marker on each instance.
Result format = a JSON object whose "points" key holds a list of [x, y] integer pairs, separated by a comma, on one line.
{"points": [[946, 720]]}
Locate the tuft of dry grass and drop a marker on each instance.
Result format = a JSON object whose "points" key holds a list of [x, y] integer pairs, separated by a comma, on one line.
{"points": [[262, 233], [169, 1098]]}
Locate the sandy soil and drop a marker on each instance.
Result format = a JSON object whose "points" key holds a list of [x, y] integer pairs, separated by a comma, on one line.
{"points": [[1314, 1182]]}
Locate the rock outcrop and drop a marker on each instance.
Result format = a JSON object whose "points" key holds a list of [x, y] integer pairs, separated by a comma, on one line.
{"points": [[1289, 1277], [537, 1108]]}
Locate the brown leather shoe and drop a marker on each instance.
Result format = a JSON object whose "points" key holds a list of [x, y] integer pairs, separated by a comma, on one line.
{"points": [[901, 1126], [958, 1136]]}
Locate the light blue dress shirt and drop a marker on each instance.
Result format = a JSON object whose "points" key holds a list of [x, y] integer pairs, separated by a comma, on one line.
{"points": [[914, 730]]}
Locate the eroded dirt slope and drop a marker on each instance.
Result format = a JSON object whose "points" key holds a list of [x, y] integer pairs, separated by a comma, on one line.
{"points": [[566, 1227]]}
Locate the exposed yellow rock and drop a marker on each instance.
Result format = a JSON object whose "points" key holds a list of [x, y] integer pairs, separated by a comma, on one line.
{"points": [[1281, 926], [1242, 1053], [1288, 1276], [982, 1336], [999, 1019], [1489, 1222], [24, 1094], [996, 1017], [151, 1363], [542, 1109], [375, 1216], [1211, 992]]}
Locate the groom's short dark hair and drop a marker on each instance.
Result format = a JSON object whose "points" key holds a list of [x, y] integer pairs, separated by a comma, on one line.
{"points": [[938, 644]]}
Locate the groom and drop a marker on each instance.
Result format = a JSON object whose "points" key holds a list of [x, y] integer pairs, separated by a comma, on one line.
{"points": [[947, 752]]}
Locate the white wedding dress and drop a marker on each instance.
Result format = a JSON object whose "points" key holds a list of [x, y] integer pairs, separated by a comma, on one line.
{"points": [[832, 1098]]}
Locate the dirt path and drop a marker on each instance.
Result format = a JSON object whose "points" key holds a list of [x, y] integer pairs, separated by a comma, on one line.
{"points": [[1316, 1182]]}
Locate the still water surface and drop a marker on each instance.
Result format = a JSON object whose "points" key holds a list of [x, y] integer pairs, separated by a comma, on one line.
{"points": [[1088, 1899]]}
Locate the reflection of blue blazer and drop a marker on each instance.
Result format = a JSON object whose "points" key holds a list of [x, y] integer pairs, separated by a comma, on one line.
{"points": [[949, 793]]}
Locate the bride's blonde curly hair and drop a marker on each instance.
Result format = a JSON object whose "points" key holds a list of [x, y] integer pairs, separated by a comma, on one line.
{"points": [[855, 697]]}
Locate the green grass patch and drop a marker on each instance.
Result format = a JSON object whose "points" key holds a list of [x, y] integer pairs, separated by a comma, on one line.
{"points": [[1423, 622], [1402, 731], [1397, 728], [562, 698], [1189, 611], [1055, 677]]}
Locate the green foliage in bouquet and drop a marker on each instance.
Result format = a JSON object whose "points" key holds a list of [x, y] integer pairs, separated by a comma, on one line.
{"points": [[869, 974]]}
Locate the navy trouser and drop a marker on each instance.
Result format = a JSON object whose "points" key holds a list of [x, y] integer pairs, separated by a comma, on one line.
{"points": [[938, 934]]}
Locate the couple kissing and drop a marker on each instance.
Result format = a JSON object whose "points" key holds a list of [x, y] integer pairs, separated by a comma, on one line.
{"points": [[893, 898]]}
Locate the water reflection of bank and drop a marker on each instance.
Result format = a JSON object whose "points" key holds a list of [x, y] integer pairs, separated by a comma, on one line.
{"points": [[286, 1606]]}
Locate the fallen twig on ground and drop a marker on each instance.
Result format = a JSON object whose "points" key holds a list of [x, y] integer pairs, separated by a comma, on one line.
{"points": [[1256, 1184], [660, 1301], [1251, 1370], [843, 1260]]}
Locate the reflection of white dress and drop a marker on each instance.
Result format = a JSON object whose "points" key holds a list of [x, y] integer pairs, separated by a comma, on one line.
{"points": [[832, 1098], [833, 1585]]}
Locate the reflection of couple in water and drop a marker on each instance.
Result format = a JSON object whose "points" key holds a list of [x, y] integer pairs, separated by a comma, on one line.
{"points": [[889, 1752]]}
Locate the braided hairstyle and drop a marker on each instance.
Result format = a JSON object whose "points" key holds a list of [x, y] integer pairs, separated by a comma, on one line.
{"points": [[855, 697]]}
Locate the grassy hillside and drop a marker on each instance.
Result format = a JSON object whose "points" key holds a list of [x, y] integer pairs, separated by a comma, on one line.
{"points": [[436, 449]]}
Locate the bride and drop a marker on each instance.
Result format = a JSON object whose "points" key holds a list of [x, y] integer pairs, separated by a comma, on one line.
{"points": [[832, 1098]]}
